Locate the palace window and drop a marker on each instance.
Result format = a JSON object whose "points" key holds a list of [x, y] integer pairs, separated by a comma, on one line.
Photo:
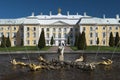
{"points": [[104, 34], [60, 29], [54, 29], [28, 28], [59, 35], [65, 35], [96, 28], [8, 28], [47, 41], [47, 29], [103, 27], [15, 42], [34, 29], [84, 28], [65, 29], [91, 35], [91, 41], [14, 34], [47, 35], [34, 41], [14, 28], [116, 27], [28, 42], [96, 34], [34, 34], [103, 42], [71, 29], [28, 35], [91, 29], [110, 28]]}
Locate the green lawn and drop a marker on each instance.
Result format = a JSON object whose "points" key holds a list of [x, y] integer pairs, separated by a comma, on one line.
{"points": [[24, 48], [100, 48]]}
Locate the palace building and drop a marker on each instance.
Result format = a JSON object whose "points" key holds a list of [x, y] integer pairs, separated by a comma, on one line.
{"points": [[59, 26]]}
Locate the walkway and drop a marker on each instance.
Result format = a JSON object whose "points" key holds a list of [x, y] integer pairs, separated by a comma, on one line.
{"points": [[55, 48]]}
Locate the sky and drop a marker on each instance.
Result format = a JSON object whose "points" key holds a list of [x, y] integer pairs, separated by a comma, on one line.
{"points": [[22, 8]]}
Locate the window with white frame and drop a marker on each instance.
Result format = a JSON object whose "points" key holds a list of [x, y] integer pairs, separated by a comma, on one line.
{"points": [[28, 42], [91, 28], [84, 28], [28, 28], [34, 28], [91, 42], [54, 29], [65, 29], [48, 35], [65, 35], [34, 34], [14, 28], [60, 29], [116, 27], [91, 35], [34, 41], [14, 34], [110, 28], [104, 34], [103, 42], [47, 41], [28, 34], [103, 27], [96, 34], [47, 29], [59, 35]]}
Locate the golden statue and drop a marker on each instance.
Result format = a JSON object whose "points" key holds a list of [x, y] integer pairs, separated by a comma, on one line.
{"points": [[59, 10]]}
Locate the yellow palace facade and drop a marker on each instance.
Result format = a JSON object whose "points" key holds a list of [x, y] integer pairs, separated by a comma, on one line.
{"points": [[60, 27]]}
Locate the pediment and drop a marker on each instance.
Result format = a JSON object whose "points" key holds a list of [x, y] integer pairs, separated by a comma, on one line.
{"points": [[60, 23]]}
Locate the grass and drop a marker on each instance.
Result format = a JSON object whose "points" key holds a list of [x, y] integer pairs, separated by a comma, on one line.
{"points": [[24, 48], [100, 48]]}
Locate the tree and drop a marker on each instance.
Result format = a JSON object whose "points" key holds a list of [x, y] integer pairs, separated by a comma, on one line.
{"points": [[111, 40], [76, 40], [82, 41], [41, 42], [3, 42], [97, 42], [51, 41], [68, 40], [117, 40], [8, 42], [22, 42], [79, 41]]}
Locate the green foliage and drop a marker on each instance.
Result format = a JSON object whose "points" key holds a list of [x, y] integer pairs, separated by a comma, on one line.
{"points": [[8, 42], [41, 42], [111, 40], [3, 42], [117, 42], [76, 40], [79, 41], [51, 41], [97, 41], [82, 41], [68, 40], [22, 42]]}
